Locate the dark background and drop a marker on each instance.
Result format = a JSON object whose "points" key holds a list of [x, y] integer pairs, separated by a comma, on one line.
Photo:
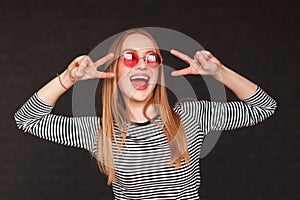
{"points": [[258, 39]]}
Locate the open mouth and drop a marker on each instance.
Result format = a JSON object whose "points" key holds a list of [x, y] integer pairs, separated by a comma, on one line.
{"points": [[139, 82]]}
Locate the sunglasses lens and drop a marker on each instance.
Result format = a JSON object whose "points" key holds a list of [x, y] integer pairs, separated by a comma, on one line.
{"points": [[130, 59], [153, 59]]}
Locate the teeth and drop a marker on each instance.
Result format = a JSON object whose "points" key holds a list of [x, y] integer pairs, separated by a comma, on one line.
{"points": [[139, 77]]}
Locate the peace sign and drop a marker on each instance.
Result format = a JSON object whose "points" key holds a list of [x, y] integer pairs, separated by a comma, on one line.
{"points": [[83, 68], [204, 63]]}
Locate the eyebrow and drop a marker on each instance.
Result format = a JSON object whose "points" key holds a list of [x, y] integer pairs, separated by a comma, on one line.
{"points": [[137, 50]]}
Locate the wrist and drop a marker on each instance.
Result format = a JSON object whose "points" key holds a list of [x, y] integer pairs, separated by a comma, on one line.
{"points": [[66, 80], [219, 72]]}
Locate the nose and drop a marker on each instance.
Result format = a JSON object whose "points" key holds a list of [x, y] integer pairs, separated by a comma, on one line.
{"points": [[141, 64]]}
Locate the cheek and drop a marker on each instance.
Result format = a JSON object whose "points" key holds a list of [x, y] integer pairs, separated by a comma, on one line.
{"points": [[122, 79], [121, 71], [155, 76]]}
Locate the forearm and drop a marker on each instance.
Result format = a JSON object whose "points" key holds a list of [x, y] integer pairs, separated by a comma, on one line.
{"points": [[35, 117], [239, 85], [51, 92]]}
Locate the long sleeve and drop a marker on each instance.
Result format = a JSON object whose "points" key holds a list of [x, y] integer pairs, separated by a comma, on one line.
{"points": [[220, 116], [35, 117]]}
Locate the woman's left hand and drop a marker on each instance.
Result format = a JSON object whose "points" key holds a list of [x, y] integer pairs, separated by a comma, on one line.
{"points": [[204, 63]]}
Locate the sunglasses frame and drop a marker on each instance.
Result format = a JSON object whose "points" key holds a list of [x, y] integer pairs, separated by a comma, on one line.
{"points": [[139, 57]]}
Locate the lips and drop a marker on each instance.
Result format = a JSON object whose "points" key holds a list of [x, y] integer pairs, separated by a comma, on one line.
{"points": [[140, 81]]}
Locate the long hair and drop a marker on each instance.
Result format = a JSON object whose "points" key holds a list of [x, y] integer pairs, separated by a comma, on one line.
{"points": [[114, 112]]}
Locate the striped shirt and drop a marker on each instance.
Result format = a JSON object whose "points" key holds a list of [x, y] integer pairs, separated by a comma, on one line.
{"points": [[142, 168]]}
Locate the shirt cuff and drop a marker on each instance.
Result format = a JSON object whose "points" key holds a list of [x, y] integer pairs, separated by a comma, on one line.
{"points": [[40, 102]]}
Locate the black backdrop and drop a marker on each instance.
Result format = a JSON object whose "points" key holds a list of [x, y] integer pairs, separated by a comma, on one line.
{"points": [[259, 39]]}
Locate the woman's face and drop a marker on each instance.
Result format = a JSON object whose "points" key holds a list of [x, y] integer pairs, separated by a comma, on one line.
{"points": [[137, 83]]}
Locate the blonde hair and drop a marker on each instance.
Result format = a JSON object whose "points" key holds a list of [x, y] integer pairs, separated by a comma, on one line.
{"points": [[113, 110]]}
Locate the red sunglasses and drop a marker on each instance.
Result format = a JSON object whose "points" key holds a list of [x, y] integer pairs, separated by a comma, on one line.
{"points": [[131, 58]]}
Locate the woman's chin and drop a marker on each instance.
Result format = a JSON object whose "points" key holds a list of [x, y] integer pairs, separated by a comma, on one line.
{"points": [[138, 95], [139, 98]]}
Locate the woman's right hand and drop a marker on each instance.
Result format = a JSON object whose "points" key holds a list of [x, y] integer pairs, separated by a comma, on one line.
{"points": [[83, 68]]}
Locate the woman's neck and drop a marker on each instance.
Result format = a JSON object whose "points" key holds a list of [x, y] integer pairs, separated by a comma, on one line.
{"points": [[135, 111]]}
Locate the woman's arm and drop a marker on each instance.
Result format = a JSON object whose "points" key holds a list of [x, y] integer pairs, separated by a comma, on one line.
{"points": [[239, 85], [218, 116], [81, 68], [205, 63], [35, 115], [255, 105]]}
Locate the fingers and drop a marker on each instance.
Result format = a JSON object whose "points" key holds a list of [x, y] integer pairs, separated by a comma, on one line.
{"points": [[83, 68], [207, 54], [105, 75], [181, 56], [181, 72], [83, 64], [77, 60], [200, 57], [104, 59]]}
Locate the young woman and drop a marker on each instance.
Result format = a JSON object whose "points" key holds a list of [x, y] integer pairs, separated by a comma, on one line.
{"points": [[148, 149]]}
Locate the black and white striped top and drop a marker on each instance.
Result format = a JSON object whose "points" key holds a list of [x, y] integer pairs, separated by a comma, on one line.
{"points": [[142, 169]]}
